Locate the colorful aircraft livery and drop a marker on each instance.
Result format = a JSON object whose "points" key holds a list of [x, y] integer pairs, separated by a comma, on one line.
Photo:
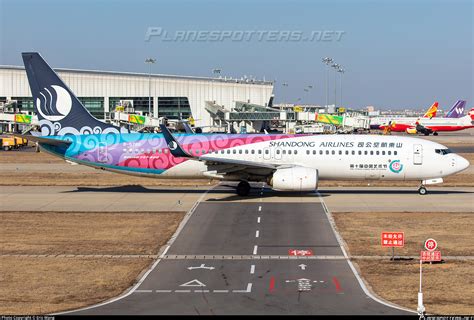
{"points": [[285, 162]]}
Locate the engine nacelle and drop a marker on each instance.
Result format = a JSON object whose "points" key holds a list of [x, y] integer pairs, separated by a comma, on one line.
{"points": [[295, 179], [411, 130]]}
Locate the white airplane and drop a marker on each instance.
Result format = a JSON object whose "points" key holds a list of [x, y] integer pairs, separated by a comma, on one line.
{"points": [[285, 162]]}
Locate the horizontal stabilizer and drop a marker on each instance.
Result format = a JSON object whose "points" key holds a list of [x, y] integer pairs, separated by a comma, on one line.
{"points": [[43, 140]]}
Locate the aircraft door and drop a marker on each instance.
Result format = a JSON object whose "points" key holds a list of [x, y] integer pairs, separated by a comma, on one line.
{"points": [[102, 152], [417, 154]]}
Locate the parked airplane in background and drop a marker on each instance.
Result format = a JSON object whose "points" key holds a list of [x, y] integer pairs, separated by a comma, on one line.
{"points": [[285, 162], [451, 122], [377, 122], [457, 110]]}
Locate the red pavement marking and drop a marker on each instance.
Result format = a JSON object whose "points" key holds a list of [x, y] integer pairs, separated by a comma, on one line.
{"points": [[337, 284], [272, 284]]}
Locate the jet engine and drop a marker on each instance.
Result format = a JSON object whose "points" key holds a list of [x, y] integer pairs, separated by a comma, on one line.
{"points": [[295, 179]]}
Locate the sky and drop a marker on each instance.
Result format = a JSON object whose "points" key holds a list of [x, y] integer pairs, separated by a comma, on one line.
{"points": [[396, 54]]}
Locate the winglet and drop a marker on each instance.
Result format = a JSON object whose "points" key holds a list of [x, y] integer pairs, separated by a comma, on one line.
{"points": [[174, 146]]}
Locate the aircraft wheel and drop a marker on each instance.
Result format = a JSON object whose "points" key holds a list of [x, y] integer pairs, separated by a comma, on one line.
{"points": [[435, 133], [243, 188], [422, 191], [427, 133]]}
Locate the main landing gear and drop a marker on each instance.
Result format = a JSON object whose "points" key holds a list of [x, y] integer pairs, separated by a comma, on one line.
{"points": [[243, 188], [422, 190]]}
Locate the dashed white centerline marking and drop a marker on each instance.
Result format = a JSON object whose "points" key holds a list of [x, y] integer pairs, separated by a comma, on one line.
{"points": [[257, 234], [143, 290], [252, 269], [201, 290], [259, 208], [255, 249], [248, 290], [220, 291], [258, 220], [163, 291], [182, 291]]}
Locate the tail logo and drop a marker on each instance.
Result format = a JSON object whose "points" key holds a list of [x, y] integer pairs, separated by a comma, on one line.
{"points": [[395, 166], [55, 103], [173, 145]]}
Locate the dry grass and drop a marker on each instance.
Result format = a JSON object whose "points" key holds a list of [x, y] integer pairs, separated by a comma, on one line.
{"points": [[44, 285], [361, 231], [447, 287], [86, 233], [38, 286]]}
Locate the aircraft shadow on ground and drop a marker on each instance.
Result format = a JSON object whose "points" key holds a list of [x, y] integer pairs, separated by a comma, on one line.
{"points": [[140, 189]]}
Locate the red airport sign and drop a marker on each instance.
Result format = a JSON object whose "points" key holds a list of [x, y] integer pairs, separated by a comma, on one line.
{"points": [[300, 252], [431, 244], [393, 239], [430, 256]]}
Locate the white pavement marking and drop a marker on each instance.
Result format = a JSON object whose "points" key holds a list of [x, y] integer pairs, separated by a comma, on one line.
{"points": [[220, 291], [248, 290], [170, 242], [166, 250], [258, 220], [341, 245], [252, 269], [259, 208], [163, 291], [257, 234], [201, 290], [139, 291], [182, 291], [255, 249]]}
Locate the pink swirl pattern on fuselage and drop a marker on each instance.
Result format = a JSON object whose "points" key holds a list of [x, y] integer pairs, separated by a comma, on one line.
{"points": [[164, 160]]}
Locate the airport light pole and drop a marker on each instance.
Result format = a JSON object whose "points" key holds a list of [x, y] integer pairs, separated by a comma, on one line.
{"points": [[328, 61], [284, 84], [341, 72], [335, 66], [150, 61]]}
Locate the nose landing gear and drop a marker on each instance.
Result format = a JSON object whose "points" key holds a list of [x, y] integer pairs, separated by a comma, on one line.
{"points": [[422, 190]]}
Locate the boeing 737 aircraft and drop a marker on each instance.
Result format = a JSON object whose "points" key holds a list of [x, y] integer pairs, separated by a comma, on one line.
{"points": [[285, 162]]}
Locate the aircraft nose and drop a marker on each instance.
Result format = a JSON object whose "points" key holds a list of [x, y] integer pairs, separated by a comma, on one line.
{"points": [[462, 164]]}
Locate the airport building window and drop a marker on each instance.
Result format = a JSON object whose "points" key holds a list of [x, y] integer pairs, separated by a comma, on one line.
{"points": [[24, 103], [95, 105], [172, 107]]}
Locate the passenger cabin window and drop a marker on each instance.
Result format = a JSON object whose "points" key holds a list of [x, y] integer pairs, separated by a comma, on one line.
{"points": [[267, 152], [383, 152], [307, 152], [289, 151], [389, 153], [259, 151], [327, 151], [252, 151], [314, 151], [395, 152], [296, 152], [320, 151], [360, 152], [333, 152]]}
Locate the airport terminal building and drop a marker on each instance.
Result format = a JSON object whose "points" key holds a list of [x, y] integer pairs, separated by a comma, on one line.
{"points": [[102, 91]]}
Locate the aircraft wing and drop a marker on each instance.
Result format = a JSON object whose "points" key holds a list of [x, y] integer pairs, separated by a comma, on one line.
{"points": [[177, 151]]}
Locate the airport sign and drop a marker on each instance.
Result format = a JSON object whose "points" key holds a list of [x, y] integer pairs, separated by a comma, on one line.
{"points": [[431, 244], [393, 239], [430, 256], [300, 252]]}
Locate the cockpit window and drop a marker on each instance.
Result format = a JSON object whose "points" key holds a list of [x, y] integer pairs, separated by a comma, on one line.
{"points": [[443, 151]]}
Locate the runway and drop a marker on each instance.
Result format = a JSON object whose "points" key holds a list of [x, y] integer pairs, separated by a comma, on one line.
{"points": [[235, 257]]}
